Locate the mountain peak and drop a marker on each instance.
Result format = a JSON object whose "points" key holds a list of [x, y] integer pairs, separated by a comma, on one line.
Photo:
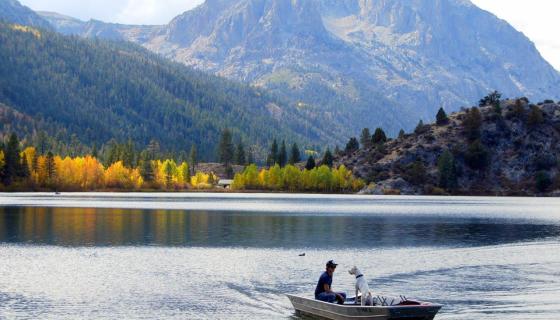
{"points": [[354, 63], [12, 11]]}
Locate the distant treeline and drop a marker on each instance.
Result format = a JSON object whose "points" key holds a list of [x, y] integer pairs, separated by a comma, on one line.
{"points": [[32, 169]]}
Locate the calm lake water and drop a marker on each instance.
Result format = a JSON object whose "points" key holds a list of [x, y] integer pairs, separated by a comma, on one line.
{"points": [[199, 256]]}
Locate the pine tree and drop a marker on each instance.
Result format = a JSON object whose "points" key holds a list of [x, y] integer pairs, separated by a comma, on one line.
{"points": [[42, 143], [12, 167], [283, 155], [365, 138], [250, 157], [226, 148], [153, 149], [472, 123], [193, 159], [50, 168], [353, 145], [401, 134], [128, 154], [146, 169], [94, 151], [24, 173], [441, 117], [35, 162], [114, 154], [295, 155], [273, 155], [447, 171], [420, 128], [337, 151], [310, 165], [240, 157], [379, 136], [328, 159], [168, 170]]}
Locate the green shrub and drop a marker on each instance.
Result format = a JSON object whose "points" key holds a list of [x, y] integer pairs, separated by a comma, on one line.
{"points": [[518, 110], [492, 99], [447, 169], [415, 173], [543, 181], [477, 156], [472, 123], [545, 162], [535, 116]]}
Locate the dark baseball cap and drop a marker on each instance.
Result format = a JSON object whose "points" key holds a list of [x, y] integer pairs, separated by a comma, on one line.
{"points": [[332, 264]]}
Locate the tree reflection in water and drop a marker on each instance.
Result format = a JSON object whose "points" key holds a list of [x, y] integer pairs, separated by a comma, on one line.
{"points": [[124, 227]]}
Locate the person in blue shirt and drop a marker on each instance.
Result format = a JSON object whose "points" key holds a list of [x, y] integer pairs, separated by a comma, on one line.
{"points": [[323, 291]]}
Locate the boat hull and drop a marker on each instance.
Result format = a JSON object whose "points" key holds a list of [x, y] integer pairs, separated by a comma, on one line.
{"points": [[316, 308]]}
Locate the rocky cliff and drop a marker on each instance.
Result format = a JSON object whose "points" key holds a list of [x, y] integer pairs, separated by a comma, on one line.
{"points": [[513, 149]]}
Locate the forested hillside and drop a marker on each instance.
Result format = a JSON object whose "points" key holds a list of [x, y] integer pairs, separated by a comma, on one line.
{"points": [[92, 91]]}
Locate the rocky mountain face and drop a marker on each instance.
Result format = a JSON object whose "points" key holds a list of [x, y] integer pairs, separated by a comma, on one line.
{"points": [[510, 151], [352, 63], [13, 11]]}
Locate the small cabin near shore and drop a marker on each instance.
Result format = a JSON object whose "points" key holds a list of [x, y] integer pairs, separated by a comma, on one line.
{"points": [[225, 183]]}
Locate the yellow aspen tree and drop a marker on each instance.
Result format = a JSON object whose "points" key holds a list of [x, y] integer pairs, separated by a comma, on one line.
{"points": [[238, 182], [184, 175], [199, 180], [306, 182], [169, 173], [41, 175], [29, 153], [324, 178], [159, 175], [118, 176], [136, 179], [292, 178], [92, 174], [251, 177], [275, 177], [263, 178]]}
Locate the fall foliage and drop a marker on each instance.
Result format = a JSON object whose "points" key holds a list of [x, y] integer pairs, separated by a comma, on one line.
{"points": [[87, 173], [290, 178]]}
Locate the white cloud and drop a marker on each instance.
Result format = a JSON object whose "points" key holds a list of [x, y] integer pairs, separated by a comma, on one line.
{"points": [[120, 11], [154, 11], [537, 19]]}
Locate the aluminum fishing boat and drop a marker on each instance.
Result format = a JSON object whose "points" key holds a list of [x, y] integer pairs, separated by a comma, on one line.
{"points": [[384, 308]]}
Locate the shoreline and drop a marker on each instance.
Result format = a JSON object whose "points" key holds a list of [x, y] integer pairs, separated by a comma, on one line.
{"points": [[229, 191]]}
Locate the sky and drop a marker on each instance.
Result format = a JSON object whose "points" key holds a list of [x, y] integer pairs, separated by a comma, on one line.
{"points": [[537, 19]]}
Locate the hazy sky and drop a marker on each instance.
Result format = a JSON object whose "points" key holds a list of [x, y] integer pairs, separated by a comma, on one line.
{"points": [[538, 19]]}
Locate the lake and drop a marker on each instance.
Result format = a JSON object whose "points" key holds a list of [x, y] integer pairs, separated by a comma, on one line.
{"points": [[199, 256]]}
